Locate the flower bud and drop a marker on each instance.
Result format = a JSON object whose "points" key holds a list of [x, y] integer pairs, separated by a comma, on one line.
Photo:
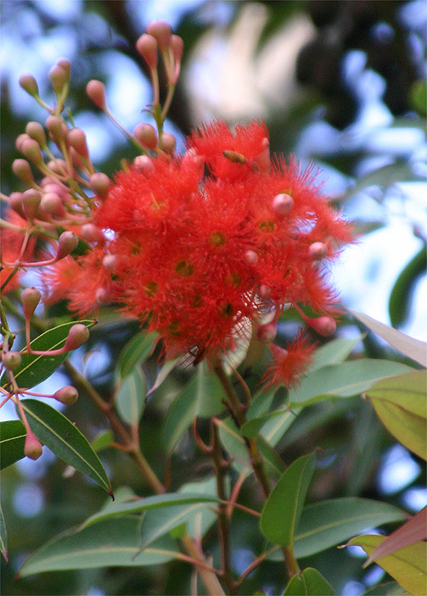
{"points": [[147, 47], [58, 78], [168, 143], [96, 91], [317, 251], [12, 360], [100, 184], [68, 395], [324, 326], [29, 84], [65, 64], [251, 257], [67, 242], [143, 163], [283, 204], [32, 448], [91, 233], [103, 296], [54, 125], [267, 333], [234, 156], [177, 47], [76, 138], [146, 135], [110, 262], [36, 131], [31, 199], [59, 166], [30, 299], [20, 141], [162, 32], [264, 291], [15, 203], [21, 168], [31, 150], [52, 203], [263, 158], [77, 336]]}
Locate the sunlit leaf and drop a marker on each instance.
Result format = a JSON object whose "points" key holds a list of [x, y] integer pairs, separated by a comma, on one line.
{"points": [[136, 351], [3, 536], [12, 442], [130, 398], [309, 583], [55, 431]]}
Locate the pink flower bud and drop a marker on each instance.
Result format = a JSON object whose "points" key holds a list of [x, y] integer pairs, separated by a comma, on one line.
{"points": [[59, 166], [147, 47], [58, 78], [263, 158], [162, 31], [31, 199], [32, 448], [110, 262], [267, 333], [30, 299], [96, 91], [264, 291], [20, 141], [251, 257], [31, 150], [12, 360], [67, 242], [91, 233], [318, 251], [283, 204], [100, 184], [52, 203], [29, 84], [324, 326], [15, 203], [146, 135], [77, 336], [36, 131], [21, 168], [76, 138], [65, 64], [168, 143], [143, 163], [177, 47], [54, 125], [103, 296], [68, 395]]}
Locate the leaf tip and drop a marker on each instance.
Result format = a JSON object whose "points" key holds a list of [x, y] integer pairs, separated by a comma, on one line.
{"points": [[110, 492]]}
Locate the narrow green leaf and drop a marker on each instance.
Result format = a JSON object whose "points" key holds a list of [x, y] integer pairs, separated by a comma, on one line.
{"points": [[167, 367], [386, 589], [344, 380], [3, 536], [35, 369], [407, 565], [181, 413], [261, 403], [400, 403], [413, 348], [12, 441], [201, 522], [55, 431], [130, 398], [399, 302], [209, 391], [282, 511], [309, 583], [102, 441], [333, 352], [114, 543], [328, 523], [136, 351], [254, 426]]}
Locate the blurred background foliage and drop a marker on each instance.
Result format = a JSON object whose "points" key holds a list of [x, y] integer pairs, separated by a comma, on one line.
{"points": [[341, 83]]}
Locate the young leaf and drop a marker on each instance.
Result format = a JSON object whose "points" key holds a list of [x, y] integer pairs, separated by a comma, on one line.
{"points": [[3, 536], [35, 369], [136, 351], [55, 431], [328, 523], [130, 398], [282, 511], [407, 565], [400, 403], [114, 543], [309, 583], [12, 441]]}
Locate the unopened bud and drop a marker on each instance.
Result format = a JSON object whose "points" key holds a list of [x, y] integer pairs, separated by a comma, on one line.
{"points": [[52, 203], [15, 203], [162, 32], [103, 296], [30, 300], [21, 168], [177, 47], [144, 164], [58, 166], [54, 125], [263, 158], [251, 257], [76, 138], [67, 242], [65, 64], [264, 291], [31, 199], [317, 251], [91, 233], [100, 184], [32, 448], [20, 141], [31, 150], [267, 333], [146, 135], [68, 395], [168, 143], [110, 262], [36, 131], [324, 326], [12, 360], [29, 84], [234, 156], [283, 204], [58, 78], [96, 91], [147, 47], [77, 336]]}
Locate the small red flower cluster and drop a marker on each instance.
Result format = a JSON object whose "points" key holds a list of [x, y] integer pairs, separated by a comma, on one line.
{"points": [[203, 245]]}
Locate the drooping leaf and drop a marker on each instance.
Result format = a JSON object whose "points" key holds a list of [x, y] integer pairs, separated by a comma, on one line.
{"points": [[344, 380], [282, 510], [401, 292], [113, 543], [136, 351], [3, 536], [35, 369], [413, 348], [309, 583], [55, 431], [12, 441], [130, 397], [328, 523], [400, 403], [407, 565]]}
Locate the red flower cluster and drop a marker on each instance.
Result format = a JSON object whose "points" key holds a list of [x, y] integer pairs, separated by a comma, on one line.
{"points": [[200, 246]]}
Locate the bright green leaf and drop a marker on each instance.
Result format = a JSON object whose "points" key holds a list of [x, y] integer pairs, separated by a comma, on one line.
{"points": [[400, 403], [130, 398], [334, 352], [309, 583], [136, 351], [3, 536], [407, 566], [35, 369], [12, 441], [102, 441], [282, 511], [55, 431], [114, 543]]}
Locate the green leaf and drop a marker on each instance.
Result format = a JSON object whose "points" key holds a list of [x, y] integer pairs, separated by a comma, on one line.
{"points": [[12, 442], [209, 391], [282, 510], [102, 441], [413, 348], [136, 351], [328, 523], [261, 403], [309, 583], [386, 589], [418, 96], [254, 426], [3, 536], [114, 543], [167, 367], [407, 565], [400, 296], [181, 413], [55, 431], [400, 403], [130, 398], [201, 522], [333, 352], [35, 369], [344, 380]]}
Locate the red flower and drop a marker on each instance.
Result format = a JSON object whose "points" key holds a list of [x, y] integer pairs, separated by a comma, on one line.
{"points": [[11, 240], [289, 364]]}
